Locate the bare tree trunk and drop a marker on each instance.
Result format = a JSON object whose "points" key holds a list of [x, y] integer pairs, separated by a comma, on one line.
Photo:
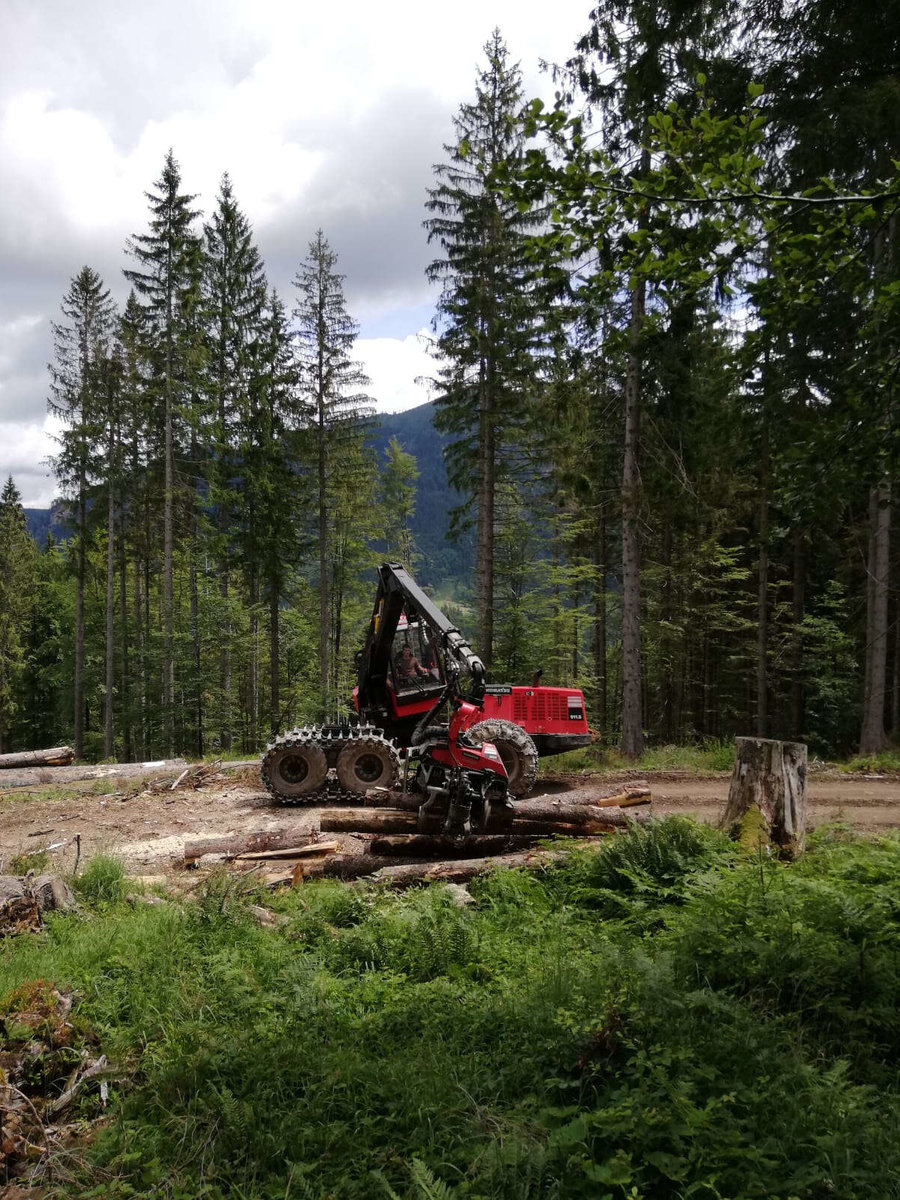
{"points": [[484, 537], [125, 682], [140, 672], [274, 658], [324, 597], [632, 703], [762, 606], [78, 681], [253, 665], [798, 606], [195, 640], [108, 733], [872, 738], [168, 562], [600, 628]]}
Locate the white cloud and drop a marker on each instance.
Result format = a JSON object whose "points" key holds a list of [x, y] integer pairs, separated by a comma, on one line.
{"points": [[25, 448], [398, 369], [321, 114]]}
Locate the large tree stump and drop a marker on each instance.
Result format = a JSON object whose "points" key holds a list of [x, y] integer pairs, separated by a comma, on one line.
{"points": [[770, 778]]}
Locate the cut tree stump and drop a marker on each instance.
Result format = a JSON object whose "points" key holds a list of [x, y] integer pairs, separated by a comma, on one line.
{"points": [[769, 777], [59, 756]]}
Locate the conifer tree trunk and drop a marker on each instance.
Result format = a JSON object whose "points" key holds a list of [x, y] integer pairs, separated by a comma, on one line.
{"points": [[141, 710], [324, 564], [253, 665], [798, 605], [274, 659], [78, 681], [484, 546], [199, 741], [872, 738], [108, 732], [762, 606], [600, 628], [168, 552], [632, 705], [125, 682]]}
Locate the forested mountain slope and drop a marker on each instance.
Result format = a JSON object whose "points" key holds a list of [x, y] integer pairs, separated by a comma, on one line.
{"points": [[441, 559]]}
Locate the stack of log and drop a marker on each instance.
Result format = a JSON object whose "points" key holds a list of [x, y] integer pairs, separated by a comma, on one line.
{"points": [[401, 848]]}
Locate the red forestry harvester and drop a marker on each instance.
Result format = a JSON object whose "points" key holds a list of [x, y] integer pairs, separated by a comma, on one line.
{"points": [[463, 752]]}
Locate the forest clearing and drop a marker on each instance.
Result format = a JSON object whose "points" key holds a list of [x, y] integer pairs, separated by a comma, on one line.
{"points": [[148, 829]]}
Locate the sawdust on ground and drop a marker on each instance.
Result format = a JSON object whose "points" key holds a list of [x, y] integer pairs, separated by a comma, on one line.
{"points": [[149, 830]]}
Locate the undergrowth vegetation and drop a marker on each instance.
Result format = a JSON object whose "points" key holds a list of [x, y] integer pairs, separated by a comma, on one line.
{"points": [[665, 1018], [708, 758]]}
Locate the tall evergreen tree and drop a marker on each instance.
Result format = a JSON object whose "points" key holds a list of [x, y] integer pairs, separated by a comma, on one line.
{"points": [[234, 295], [166, 280], [81, 344], [486, 321], [324, 334]]}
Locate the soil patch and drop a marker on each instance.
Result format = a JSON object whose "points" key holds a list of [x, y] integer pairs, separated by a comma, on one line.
{"points": [[148, 830]]}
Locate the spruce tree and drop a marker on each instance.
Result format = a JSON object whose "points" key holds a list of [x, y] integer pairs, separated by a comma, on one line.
{"points": [[234, 296], [324, 335], [485, 321], [166, 280], [81, 343]]}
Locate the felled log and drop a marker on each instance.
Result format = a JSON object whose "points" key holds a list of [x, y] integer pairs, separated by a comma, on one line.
{"points": [[246, 843], [770, 777], [48, 776], [337, 866], [461, 870], [430, 845], [367, 820], [546, 822], [562, 808], [309, 851], [616, 795], [384, 868], [591, 797], [58, 756]]}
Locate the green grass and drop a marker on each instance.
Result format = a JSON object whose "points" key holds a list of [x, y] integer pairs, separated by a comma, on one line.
{"points": [[888, 760], [665, 1018], [707, 759]]}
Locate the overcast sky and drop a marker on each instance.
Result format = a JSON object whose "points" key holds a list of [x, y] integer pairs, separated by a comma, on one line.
{"points": [[326, 115]]}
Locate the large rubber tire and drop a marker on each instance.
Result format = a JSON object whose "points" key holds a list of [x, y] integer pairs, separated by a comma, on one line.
{"points": [[292, 769], [367, 762], [515, 748]]}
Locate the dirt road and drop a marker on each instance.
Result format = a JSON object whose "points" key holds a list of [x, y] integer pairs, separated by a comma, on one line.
{"points": [[149, 830]]}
